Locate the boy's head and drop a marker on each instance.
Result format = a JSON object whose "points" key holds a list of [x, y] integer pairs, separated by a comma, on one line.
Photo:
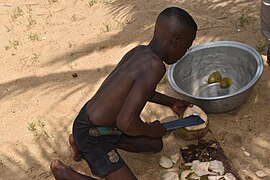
{"points": [[175, 31]]}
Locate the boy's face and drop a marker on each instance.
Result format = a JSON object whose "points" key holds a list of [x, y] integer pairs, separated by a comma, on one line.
{"points": [[181, 45]]}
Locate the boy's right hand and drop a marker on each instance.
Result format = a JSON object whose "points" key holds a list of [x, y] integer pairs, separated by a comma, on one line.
{"points": [[157, 129], [180, 105]]}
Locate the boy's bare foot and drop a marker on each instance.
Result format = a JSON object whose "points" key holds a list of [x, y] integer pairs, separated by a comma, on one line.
{"points": [[63, 172], [60, 171], [76, 154]]}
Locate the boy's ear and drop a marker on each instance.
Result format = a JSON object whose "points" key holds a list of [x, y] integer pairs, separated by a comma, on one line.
{"points": [[176, 41]]}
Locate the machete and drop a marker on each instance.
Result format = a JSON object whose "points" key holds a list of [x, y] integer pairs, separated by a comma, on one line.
{"points": [[178, 123]]}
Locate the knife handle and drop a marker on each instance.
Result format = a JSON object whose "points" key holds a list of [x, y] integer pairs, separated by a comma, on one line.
{"points": [[103, 131]]}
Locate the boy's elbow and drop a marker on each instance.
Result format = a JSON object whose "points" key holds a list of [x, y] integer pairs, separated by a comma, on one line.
{"points": [[123, 125]]}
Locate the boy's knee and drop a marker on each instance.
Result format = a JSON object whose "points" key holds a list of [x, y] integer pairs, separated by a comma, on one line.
{"points": [[158, 146]]}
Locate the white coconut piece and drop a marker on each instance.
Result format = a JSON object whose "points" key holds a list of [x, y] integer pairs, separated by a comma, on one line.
{"points": [[170, 175], [184, 174], [214, 145], [200, 168], [165, 162], [217, 166], [215, 177], [261, 173], [212, 173], [195, 110], [246, 153], [188, 164], [194, 176], [229, 176], [185, 147], [175, 157]]}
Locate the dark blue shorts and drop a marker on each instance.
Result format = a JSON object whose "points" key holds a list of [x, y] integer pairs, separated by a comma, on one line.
{"points": [[99, 152]]}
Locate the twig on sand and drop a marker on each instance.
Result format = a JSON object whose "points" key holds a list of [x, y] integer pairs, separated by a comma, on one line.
{"points": [[24, 4], [211, 27], [35, 4], [66, 6], [41, 14]]}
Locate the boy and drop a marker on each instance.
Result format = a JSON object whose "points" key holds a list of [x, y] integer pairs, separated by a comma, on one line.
{"points": [[121, 98]]}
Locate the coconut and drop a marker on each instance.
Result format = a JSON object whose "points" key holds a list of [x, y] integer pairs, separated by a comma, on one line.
{"points": [[217, 166], [261, 173], [170, 175], [175, 157], [194, 176], [229, 176], [200, 168], [214, 77], [194, 132], [205, 171], [225, 83], [218, 177], [186, 174], [165, 162]]}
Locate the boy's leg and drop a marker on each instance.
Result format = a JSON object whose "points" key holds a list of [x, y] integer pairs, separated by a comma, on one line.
{"points": [[123, 173], [139, 144], [109, 163], [76, 154], [61, 171], [127, 143]]}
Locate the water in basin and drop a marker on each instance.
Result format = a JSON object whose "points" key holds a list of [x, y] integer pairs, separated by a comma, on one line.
{"points": [[213, 90]]}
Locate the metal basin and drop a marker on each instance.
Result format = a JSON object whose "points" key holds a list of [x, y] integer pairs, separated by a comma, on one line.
{"points": [[237, 61]]}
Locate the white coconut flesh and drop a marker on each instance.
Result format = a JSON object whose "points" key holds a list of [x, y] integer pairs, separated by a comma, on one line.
{"points": [[165, 162], [170, 175], [200, 168], [195, 110], [185, 173], [213, 170]]}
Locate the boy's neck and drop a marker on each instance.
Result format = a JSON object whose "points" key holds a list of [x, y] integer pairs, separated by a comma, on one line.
{"points": [[157, 49]]}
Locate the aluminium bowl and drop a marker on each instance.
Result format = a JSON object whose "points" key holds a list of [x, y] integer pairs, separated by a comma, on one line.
{"points": [[237, 61]]}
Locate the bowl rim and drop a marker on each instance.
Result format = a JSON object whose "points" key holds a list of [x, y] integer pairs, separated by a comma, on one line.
{"points": [[243, 46]]}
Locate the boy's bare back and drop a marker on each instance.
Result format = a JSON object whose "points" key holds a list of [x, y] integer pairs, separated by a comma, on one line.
{"points": [[121, 98]]}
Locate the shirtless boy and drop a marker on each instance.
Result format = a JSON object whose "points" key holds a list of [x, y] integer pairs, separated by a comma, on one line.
{"points": [[121, 98]]}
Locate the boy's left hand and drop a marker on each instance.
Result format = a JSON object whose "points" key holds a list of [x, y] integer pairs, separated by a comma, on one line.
{"points": [[180, 105]]}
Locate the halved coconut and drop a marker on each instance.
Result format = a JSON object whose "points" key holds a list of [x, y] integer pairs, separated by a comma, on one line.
{"points": [[200, 168], [229, 176], [186, 174], [170, 175], [165, 162], [217, 166], [194, 132], [175, 157]]}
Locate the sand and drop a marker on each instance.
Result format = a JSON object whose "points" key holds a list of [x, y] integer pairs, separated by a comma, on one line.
{"points": [[43, 43]]}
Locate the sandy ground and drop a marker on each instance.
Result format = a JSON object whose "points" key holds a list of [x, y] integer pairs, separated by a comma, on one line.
{"points": [[43, 42]]}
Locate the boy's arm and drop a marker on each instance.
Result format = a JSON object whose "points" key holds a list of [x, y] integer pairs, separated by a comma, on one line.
{"points": [[177, 105]]}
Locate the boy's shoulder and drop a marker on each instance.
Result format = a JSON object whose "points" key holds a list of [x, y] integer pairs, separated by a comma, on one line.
{"points": [[146, 57], [150, 62], [145, 52]]}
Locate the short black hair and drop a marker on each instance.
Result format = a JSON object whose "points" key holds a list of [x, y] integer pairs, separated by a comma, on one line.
{"points": [[182, 16]]}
